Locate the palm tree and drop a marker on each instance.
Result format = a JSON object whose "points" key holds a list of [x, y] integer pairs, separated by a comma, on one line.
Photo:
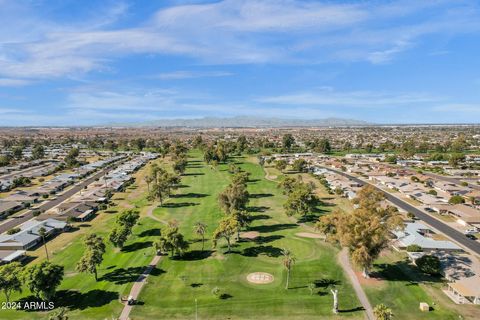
{"points": [[288, 262], [148, 180], [42, 232], [200, 229], [382, 312]]}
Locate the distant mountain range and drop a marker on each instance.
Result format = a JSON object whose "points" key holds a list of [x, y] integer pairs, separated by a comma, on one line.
{"points": [[250, 122]]}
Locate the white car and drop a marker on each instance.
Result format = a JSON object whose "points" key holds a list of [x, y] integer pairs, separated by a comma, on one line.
{"points": [[471, 231]]}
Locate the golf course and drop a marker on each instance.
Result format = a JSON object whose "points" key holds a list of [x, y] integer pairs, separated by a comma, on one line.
{"points": [[207, 281], [171, 293]]}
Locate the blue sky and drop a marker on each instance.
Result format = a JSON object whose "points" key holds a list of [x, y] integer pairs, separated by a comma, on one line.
{"points": [[95, 62]]}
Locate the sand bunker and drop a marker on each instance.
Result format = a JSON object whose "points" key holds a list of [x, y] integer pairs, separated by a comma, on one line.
{"points": [[260, 278], [249, 235], [310, 235]]}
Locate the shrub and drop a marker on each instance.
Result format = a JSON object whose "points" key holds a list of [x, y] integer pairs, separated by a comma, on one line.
{"points": [[216, 291], [36, 213], [410, 215], [414, 248], [456, 200], [429, 264], [13, 231]]}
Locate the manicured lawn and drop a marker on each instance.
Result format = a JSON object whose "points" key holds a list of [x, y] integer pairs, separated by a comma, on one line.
{"points": [[86, 298], [405, 288], [171, 292]]}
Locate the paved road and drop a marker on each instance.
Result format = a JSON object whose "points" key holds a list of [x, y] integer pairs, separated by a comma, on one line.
{"points": [[16, 221], [23, 171], [347, 267], [450, 179], [435, 223]]}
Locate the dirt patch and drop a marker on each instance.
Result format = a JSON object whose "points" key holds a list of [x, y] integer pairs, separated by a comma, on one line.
{"points": [[260, 278], [310, 235], [368, 281], [249, 235]]}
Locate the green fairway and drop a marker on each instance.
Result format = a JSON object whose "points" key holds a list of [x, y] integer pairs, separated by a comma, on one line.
{"points": [[171, 292]]}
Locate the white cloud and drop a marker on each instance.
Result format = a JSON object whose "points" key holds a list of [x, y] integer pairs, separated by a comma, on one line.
{"points": [[6, 82], [5, 111], [330, 97], [178, 75], [121, 101], [261, 16], [252, 31], [455, 108]]}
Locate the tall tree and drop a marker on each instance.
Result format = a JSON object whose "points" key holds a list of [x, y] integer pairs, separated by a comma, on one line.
{"points": [[43, 279], [288, 141], [173, 241], [93, 255], [242, 144], [179, 165], [10, 279], [289, 183], [243, 217], [118, 236], [322, 145], [200, 229], [139, 143], [300, 165], [365, 231], [288, 262], [234, 197], [18, 152], [71, 158], [38, 152], [226, 229], [43, 233], [281, 165], [125, 222], [301, 200], [241, 178], [148, 179], [327, 225]]}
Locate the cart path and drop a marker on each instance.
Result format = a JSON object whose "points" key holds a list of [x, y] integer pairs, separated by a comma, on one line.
{"points": [[142, 279], [154, 217], [137, 287], [347, 268]]}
